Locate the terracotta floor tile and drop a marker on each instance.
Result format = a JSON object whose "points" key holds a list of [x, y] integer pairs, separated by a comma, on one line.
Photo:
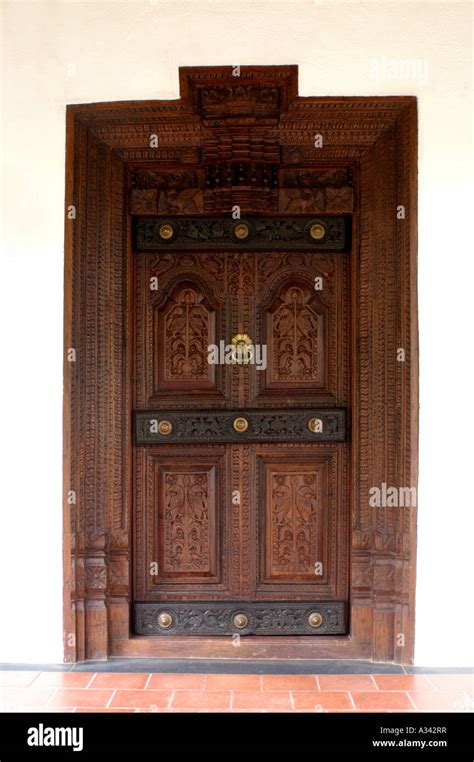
{"points": [[433, 700], [80, 697], [103, 710], [264, 700], [141, 699], [174, 682], [63, 680], [10, 678], [403, 682], [453, 682], [45, 709], [233, 683], [195, 700], [25, 696], [314, 701], [381, 701], [289, 683], [116, 680], [346, 683]]}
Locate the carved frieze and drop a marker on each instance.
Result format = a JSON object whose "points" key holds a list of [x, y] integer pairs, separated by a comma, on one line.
{"points": [[219, 618], [312, 191], [165, 192], [220, 426], [252, 234]]}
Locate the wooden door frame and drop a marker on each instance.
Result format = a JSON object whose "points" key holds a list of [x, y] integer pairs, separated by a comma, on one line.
{"points": [[378, 137]]}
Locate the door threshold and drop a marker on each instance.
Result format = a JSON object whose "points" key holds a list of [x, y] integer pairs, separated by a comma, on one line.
{"points": [[249, 647]]}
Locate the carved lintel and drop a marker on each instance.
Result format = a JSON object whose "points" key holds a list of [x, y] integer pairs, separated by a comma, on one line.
{"points": [[220, 426], [263, 233], [244, 618]]}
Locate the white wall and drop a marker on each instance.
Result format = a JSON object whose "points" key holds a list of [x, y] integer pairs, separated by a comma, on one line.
{"points": [[71, 52]]}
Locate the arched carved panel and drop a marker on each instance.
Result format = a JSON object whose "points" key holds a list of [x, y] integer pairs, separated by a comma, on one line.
{"points": [[295, 334], [183, 328]]}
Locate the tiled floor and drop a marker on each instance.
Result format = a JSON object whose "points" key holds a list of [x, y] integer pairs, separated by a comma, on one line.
{"points": [[165, 692]]}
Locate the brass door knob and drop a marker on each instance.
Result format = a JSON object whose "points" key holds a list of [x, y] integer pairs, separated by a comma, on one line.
{"points": [[315, 619], [240, 621], [241, 425]]}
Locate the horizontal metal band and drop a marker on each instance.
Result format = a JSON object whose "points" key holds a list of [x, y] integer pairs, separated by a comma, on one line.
{"points": [[323, 233], [243, 618], [308, 425]]}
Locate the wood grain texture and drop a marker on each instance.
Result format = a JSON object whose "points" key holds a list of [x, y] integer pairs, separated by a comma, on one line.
{"points": [[216, 122]]}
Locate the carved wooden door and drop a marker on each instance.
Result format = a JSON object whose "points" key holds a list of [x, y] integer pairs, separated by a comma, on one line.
{"points": [[241, 385]]}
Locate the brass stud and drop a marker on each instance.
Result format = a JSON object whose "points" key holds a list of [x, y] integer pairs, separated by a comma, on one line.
{"points": [[166, 231], [317, 231], [241, 425], [240, 621], [241, 231], [315, 619], [165, 428], [165, 620], [315, 425]]}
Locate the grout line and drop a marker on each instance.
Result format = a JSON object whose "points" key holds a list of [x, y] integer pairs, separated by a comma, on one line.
{"points": [[231, 701], [52, 696], [110, 699], [410, 699], [205, 682], [148, 681], [90, 681], [30, 685], [435, 687], [292, 700], [261, 682]]}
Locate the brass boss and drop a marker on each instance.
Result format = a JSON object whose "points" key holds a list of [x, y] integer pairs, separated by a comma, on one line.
{"points": [[240, 621], [165, 427], [315, 619], [241, 424], [166, 231], [165, 620], [317, 231], [241, 231]]}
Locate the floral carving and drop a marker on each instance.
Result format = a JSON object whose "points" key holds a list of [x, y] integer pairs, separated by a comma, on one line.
{"points": [[187, 338], [293, 505], [186, 522], [295, 340]]}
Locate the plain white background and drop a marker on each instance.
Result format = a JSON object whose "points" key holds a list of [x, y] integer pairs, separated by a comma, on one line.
{"points": [[62, 52]]}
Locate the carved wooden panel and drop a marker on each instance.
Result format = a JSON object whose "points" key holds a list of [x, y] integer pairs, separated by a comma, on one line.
{"points": [[302, 521], [246, 142], [295, 334], [182, 523], [184, 329]]}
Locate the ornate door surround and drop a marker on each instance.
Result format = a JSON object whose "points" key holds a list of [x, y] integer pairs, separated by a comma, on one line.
{"points": [[239, 137]]}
